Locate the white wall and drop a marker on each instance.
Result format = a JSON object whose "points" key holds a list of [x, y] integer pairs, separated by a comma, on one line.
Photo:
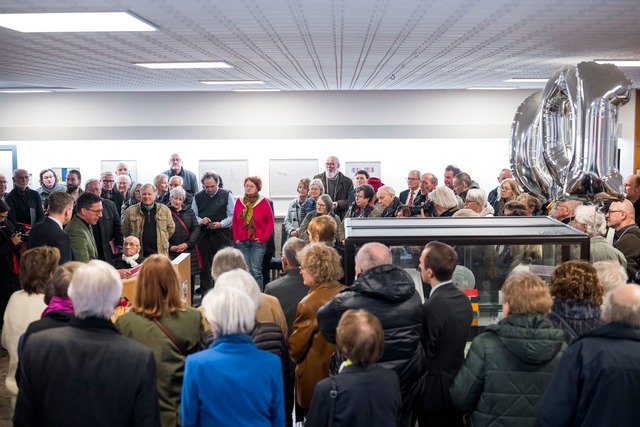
{"points": [[403, 130]]}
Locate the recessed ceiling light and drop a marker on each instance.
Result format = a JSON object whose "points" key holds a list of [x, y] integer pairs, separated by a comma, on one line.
{"points": [[620, 63], [73, 22], [526, 80], [25, 90], [172, 65], [491, 88], [232, 82], [256, 90]]}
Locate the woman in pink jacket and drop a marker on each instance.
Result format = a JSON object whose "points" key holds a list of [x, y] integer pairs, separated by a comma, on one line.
{"points": [[252, 226]]}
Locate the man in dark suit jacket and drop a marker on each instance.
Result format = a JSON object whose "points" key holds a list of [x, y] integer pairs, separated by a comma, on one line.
{"points": [[446, 318], [50, 231], [88, 366], [336, 185], [289, 290], [413, 186]]}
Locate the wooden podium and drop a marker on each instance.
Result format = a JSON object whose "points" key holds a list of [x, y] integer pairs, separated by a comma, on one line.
{"points": [[182, 264]]}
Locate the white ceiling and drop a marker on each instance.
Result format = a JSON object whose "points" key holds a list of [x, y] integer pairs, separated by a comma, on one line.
{"points": [[300, 45]]}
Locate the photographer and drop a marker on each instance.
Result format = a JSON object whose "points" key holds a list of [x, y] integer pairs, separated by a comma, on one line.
{"points": [[10, 242]]}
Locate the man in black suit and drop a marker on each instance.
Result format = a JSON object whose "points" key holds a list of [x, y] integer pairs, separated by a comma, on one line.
{"points": [[49, 232], [413, 188], [25, 204], [446, 318], [289, 290]]}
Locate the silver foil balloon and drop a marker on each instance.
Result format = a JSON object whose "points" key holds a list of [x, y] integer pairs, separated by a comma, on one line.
{"points": [[579, 121], [559, 107], [526, 159]]}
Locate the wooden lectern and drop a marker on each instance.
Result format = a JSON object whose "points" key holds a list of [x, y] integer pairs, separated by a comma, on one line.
{"points": [[182, 264]]}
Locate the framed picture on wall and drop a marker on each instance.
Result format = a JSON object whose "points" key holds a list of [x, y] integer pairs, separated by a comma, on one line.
{"points": [[284, 175], [352, 167], [232, 173]]}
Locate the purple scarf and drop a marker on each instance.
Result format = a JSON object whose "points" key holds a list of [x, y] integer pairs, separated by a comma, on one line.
{"points": [[59, 303]]}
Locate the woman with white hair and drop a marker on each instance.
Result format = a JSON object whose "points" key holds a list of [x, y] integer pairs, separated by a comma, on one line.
{"points": [[444, 201], [232, 383], [592, 222], [477, 201]]}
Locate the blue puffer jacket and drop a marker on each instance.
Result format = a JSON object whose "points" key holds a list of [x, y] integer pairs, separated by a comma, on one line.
{"points": [[507, 370]]}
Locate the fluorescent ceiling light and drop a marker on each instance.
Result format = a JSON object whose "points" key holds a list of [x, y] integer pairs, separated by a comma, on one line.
{"points": [[256, 90], [491, 88], [172, 65], [232, 82], [25, 90], [73, 22], [526, 80], [620, 63]]}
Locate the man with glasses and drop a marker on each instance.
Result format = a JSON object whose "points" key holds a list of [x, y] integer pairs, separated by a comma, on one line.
{"points": [[109, 192], [25, 204], [413, 187], [336, 185], [130, 257], [566, 210], [621, 217], [89, 211], [190, 182], [108, 230]]}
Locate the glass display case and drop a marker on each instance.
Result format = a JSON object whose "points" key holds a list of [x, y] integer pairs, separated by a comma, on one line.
{"points": [[489, 249]]}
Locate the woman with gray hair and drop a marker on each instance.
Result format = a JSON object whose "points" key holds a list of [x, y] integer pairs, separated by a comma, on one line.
{"points": [[186, 234], [444, 201], [477, 201], [246, 382], [592, 222], [316, 188], [323, 207]]}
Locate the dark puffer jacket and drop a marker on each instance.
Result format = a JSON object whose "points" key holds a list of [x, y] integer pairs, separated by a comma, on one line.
{"points": [[389, 293], [507, 370]]}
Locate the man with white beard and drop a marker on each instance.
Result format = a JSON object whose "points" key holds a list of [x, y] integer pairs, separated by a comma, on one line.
{"points": [[336, 185]]}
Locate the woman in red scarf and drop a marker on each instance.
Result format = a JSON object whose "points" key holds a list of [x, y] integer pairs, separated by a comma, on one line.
{"points": [[252, 226]]}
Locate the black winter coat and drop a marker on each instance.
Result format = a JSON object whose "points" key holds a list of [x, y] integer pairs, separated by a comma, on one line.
{"points": [[507, 369], [597, 382], [389, 293], [180, 235]]}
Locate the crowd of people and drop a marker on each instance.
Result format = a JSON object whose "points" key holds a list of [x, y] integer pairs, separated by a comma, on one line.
{"points": [[304, 348]]}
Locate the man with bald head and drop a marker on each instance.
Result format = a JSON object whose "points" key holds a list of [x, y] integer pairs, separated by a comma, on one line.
{"points": [[389, 293], [336, 185], [632, 190], [621, 217], [25, 204], [598, 379], [190, 181]]}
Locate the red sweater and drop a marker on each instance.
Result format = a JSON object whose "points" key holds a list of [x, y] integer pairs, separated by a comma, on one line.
{"points": [[262, 219]]}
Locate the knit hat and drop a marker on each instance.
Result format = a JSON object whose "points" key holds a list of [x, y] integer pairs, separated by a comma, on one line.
{"points": [[375, 183]]}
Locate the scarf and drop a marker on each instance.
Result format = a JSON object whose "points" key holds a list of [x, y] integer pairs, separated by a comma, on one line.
{"points": [[58, 303], [131, 260], [247, 214]]}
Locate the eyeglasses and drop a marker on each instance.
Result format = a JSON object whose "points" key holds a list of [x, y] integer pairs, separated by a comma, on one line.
{"points": [[95, 211], [329, 164], [107, 181], [413, 179]]}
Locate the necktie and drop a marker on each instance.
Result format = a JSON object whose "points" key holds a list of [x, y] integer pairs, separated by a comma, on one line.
{"points": [[411, 198]]}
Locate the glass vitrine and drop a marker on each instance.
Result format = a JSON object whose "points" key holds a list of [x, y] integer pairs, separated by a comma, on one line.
{"points": [[489, 249]]}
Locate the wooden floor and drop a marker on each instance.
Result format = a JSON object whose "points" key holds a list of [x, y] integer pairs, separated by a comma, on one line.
{"points": [[5, 404]]}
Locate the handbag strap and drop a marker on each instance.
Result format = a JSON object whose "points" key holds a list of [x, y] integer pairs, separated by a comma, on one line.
{"points": [[572, 332], [176, 216], [333, 394], [171, 337]]}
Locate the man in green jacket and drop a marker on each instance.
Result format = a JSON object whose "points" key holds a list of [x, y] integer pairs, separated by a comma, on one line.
{"points": [[89, 211]]}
